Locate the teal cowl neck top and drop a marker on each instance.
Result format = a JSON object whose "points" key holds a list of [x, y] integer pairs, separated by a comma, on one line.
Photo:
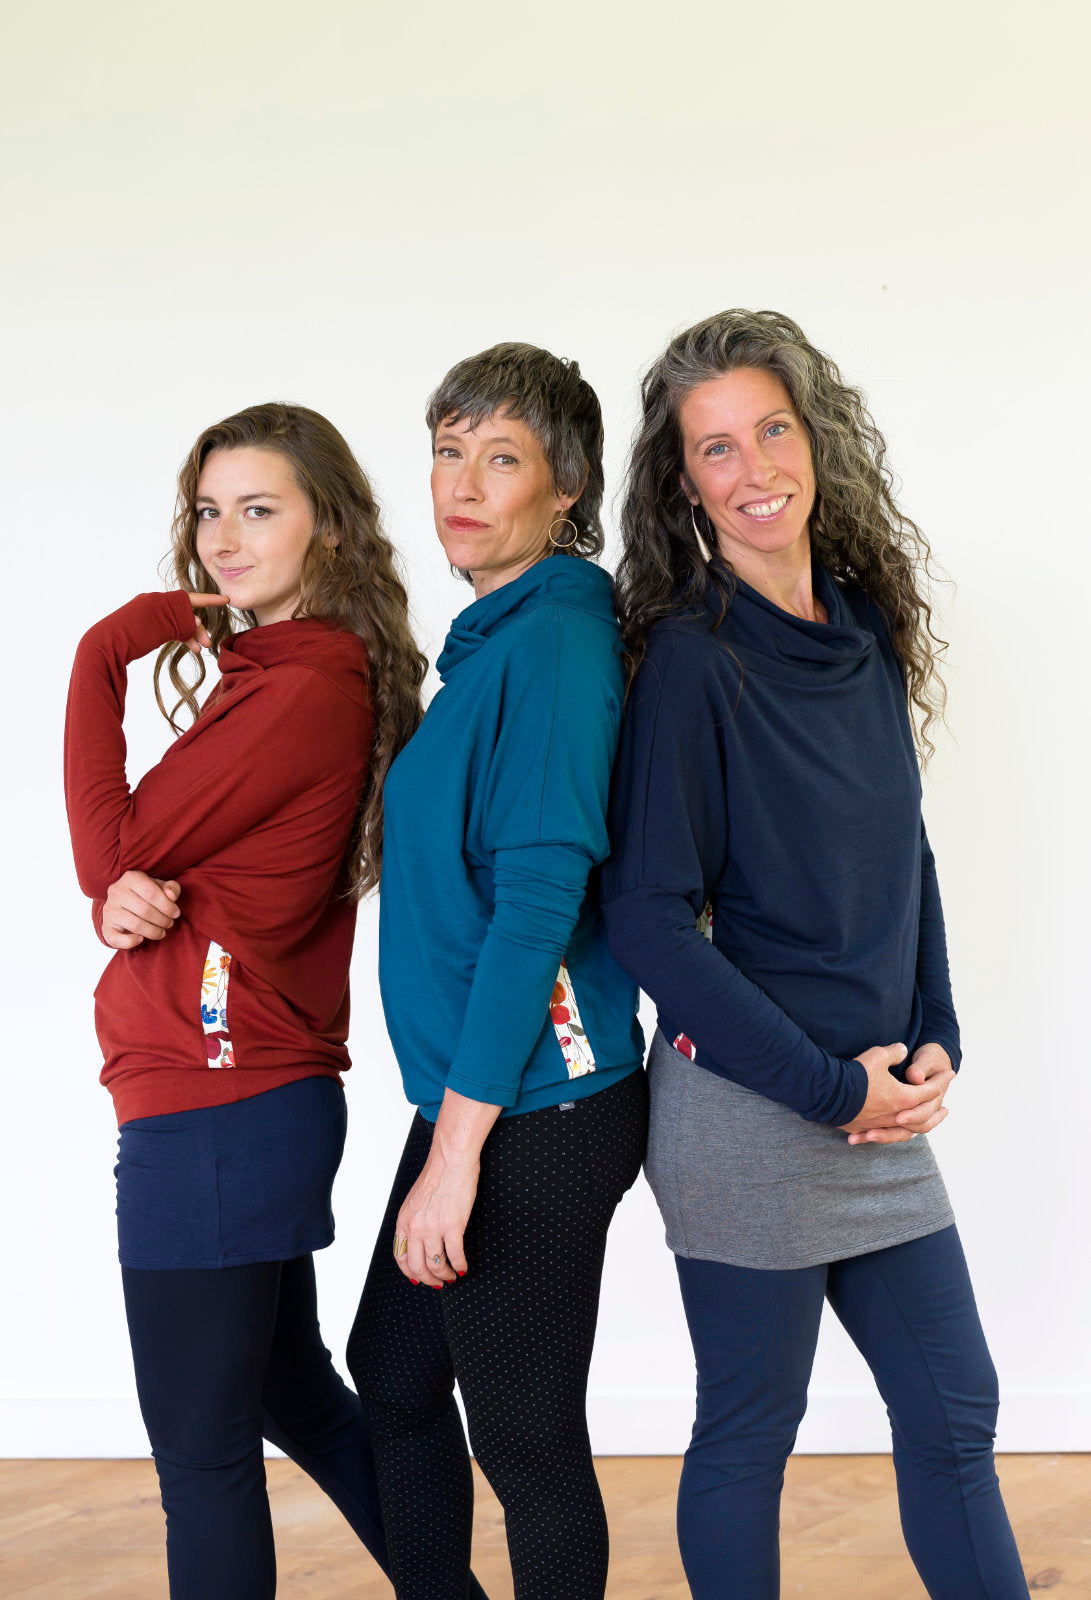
{"points": [[493, 964]]}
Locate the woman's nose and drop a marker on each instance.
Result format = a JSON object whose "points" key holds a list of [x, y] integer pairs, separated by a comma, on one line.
{"points": [[226, 534], [467, 485], [759, 467]]}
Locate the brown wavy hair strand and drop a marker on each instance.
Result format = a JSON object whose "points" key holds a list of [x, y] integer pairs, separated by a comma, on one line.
{"points": [[857, 530], [356, 586]]}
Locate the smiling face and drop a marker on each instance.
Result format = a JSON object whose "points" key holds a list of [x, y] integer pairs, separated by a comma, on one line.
{"points": [[494, 499], [254, 525], [747, 461]]}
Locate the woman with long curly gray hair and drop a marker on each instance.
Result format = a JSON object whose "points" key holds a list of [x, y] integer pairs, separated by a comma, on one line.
{"points": [[772, 888]]}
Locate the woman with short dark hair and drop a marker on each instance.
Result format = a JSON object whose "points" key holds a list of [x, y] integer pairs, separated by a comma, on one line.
{"points": [[513, 1026], [773, 890]]}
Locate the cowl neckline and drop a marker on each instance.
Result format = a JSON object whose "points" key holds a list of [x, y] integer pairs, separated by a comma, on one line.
{"points": [[555, 580], [336, 652], [774, 643]]}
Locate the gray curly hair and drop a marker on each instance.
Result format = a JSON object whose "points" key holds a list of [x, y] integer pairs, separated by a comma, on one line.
{"points": [[857, 530]]}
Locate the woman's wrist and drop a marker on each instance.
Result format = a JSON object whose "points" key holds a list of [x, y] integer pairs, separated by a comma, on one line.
{"points": [[462, 1127]]}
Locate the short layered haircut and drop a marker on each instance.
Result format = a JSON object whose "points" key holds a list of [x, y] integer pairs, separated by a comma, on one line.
{"points": [[548, 395]]}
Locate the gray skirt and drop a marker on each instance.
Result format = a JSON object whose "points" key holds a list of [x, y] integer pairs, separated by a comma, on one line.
{"points": [[747, 1181]]}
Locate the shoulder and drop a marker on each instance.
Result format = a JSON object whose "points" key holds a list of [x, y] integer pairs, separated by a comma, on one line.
{"points": [[301, 689], [867, 613], [548, 621], [862, 609], [560, 642], [683, 657]]}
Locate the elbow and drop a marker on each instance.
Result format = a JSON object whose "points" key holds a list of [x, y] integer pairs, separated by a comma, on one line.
{"points": [[94, 887], [627, 943], [95, 876]]}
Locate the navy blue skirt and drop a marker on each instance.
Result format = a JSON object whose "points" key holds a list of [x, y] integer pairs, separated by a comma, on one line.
{"points": [[230, 1185]]}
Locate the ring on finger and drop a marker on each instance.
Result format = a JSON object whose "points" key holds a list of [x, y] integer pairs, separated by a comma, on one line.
{"points": [[401, 1245]]}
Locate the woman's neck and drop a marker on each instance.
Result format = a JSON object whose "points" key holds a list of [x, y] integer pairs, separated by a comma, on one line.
{"points": [[782, 576]]}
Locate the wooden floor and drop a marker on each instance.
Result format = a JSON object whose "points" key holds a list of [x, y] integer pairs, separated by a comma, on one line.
{"points": [[74, 1529]]}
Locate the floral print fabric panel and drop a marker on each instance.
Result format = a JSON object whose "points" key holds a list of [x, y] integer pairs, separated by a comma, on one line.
{"points": [[684, 1044], [579, 1058], [214, 982]]}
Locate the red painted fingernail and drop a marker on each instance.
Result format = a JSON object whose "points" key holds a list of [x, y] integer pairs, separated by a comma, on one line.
{"points": [[461, 1274], [415, 1282]]}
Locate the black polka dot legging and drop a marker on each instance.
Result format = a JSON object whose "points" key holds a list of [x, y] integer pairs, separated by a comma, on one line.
{"points": [[517, 1334]]}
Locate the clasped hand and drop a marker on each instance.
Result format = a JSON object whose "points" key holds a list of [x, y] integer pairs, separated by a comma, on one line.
{"points": [[894, 1111]]}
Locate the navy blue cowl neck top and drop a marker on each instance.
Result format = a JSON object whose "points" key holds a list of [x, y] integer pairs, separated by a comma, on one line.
{"points": [[767, 770]]}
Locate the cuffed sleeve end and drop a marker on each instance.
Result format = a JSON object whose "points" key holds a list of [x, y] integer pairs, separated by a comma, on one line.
{"points": [[491, 1094], [853, 1094]]}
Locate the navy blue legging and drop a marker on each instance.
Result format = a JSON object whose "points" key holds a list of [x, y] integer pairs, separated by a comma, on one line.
{"points": [[910, 1312], [224, 1357]]}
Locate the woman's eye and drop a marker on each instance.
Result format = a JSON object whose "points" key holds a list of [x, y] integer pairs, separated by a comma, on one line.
{"points": [[775, 431], [505, 461], [717, 449], [206, 513], [259, 513], [448, 452]]}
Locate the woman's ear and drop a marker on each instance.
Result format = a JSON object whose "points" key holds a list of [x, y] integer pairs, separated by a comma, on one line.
{"points": [[565, 502], [689, 491]]}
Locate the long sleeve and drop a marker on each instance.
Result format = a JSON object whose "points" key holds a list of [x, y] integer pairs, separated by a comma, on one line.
{"points": [[539, 890], [544, 829], [96, 788], [669, 828], [939, 1024], [226, 775]]}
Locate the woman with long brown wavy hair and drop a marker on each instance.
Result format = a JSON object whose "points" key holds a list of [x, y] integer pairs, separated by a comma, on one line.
{"points": [[772, 888], [227, 882]]}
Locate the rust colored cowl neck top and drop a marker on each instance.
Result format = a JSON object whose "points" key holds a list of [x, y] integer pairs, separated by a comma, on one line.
{"points": [[252, 812]]}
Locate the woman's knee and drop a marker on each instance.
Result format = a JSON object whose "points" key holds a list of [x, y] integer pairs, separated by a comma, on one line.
{"points": [[739, 1455], [542, 1440], [959, 1423], [192, 1438]]}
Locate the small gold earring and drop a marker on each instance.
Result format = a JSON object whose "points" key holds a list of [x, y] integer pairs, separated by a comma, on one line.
{"points": [[560, 522]]}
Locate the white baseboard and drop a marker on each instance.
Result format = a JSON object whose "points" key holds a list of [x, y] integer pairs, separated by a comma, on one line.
{"points": [[658, 1424], [650, 1424]]}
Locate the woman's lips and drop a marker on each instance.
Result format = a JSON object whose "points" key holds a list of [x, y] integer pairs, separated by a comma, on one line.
{"points": [[234, 572], [463, 524], [767, 510]]}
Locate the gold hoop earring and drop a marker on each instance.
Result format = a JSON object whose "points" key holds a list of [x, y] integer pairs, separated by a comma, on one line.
{"points": [[560, 522], [706, 553]]}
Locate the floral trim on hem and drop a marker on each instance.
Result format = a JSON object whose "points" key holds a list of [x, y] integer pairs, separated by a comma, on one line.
{"points": [[579, 1058], [683, 1043], [214, 982]]}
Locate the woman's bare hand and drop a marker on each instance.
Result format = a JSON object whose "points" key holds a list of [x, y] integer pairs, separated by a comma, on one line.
{"points": [[137, 908], [887, 1098], [930, 1063], [431, 1224], [433, 1221], [930, 1067], [199, 639]]}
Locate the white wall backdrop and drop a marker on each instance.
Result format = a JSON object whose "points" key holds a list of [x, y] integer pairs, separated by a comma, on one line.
{"points": [[217, 204]]}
